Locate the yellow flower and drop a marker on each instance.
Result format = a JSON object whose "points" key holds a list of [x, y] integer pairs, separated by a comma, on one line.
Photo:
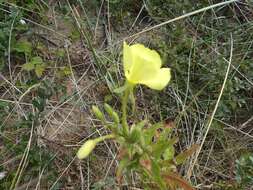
{"points": [[86, 149], [143, 66]]}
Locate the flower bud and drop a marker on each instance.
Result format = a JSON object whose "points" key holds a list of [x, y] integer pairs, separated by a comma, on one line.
{"points": [[112, 113], [86, 149], [108, 109], [115, 117], [98, 113], [135, 134]]}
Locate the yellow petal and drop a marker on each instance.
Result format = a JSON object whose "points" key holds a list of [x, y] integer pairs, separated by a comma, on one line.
{"points": [[86, 149], [146, 54], [145, 63], [158, 81], [127, 58], [143, 66]]}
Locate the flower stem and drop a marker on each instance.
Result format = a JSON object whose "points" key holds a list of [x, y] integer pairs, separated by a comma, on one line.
{"points": [[102, 138], [124, 108]]}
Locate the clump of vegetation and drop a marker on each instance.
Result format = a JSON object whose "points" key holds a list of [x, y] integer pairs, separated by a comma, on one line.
{"points": [[244, 170], [145, 148]]}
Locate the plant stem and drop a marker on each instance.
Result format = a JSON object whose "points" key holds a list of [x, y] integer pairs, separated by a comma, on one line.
{"points": [[124, 108], [102, 138]]}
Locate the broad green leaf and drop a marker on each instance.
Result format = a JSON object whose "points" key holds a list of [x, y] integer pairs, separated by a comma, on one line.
{"points": [[150, 132], [23, 46], [39, 69], [37, 60], [169, 153], [28, 66], [160, 147], [66, 71]]}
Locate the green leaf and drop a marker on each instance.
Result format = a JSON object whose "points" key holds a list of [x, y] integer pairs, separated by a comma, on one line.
{"points": [[37, 60], [36, 64], [23, 46], [119, 90], [39, 69], [160, 147], [28, 66], [141, 124], [39, 103], [244, 169], [156, 174], [155, 169], [150, 132], [121, 167], [135, 134], [169, 153], [66, 71]]}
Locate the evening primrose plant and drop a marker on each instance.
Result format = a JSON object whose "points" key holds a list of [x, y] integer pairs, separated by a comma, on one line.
{"points": [[145, 148]]}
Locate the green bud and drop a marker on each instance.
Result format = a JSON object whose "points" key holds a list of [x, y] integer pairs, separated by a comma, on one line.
{"points": [[86, 149], [112, 113], [135, 134], [115, 117], [109, 109], [98, 113]]}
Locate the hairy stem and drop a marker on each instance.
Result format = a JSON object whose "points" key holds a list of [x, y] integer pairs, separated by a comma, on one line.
{"points": [[102, 138], [125, 98]]}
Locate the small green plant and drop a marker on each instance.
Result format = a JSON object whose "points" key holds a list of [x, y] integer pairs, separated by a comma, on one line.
{"points": [[36, 64], [244, 170], [43, 92], [243, 174], [145, 148]]}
